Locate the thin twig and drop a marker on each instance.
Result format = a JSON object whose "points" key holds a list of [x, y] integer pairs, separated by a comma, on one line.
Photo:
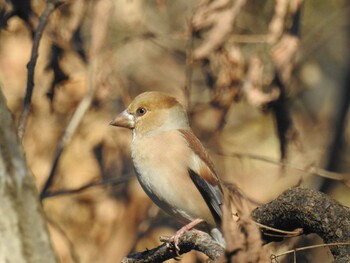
{"points": [[285, 233], [312, 170], [70, 130], [309, 247], [99, 32], [111, 181], [50, 7]]}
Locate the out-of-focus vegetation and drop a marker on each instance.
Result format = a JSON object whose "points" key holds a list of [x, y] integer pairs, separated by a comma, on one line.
{"points": [[149, 46]]}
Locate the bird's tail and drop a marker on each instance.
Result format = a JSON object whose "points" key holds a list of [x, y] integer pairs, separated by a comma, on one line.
{"points": [[217, 235]]}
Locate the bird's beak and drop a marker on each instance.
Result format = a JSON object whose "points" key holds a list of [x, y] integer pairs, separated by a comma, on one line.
{"points": [[124, 119]]}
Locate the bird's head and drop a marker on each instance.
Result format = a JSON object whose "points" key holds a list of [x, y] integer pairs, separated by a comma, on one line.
{"points": [[152, 112]]}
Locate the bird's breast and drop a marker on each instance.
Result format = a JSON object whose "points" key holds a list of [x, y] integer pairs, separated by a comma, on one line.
{"points": [[161, 163]]}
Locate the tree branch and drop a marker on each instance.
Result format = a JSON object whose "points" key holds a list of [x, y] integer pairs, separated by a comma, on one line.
{"points": [[50, 7], [104, 182], [308, 209], [312, 211], [24, 236], [191, 240], [99, 34]]}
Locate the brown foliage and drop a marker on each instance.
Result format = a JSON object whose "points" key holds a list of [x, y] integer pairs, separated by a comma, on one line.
{"points": [[242, 68]]}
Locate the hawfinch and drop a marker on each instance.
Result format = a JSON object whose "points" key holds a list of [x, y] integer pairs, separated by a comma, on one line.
{"points": [[172, 165]]}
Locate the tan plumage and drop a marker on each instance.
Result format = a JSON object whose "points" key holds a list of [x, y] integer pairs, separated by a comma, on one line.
{"points": [[171, 163]]}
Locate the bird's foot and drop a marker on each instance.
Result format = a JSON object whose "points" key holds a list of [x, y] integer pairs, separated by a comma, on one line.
{"points": [[173, 241]]}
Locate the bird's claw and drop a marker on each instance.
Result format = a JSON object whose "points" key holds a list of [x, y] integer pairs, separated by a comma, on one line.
{"points": [[173, 242]]}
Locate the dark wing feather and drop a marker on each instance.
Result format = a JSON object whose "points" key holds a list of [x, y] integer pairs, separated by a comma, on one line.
{"points": [[211, 194]]}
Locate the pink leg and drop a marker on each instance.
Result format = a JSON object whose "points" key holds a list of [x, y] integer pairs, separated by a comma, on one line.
{"points": [[175, 238]]}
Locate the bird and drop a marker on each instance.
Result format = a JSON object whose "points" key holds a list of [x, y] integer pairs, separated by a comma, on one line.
{"points": [[171, 164]]}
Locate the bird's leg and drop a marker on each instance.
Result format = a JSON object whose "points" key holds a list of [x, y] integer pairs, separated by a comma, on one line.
{"points": [[175, 238]]}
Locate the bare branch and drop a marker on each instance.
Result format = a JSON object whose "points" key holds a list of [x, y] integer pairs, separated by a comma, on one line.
{"points": [[306, 210], [50, 7], [111, 181], [191, 240], [98, 32], [310, 169], [309, 247], [312, 211]]}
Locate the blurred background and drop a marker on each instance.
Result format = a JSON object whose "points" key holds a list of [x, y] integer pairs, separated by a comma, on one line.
{"points": [[265, 84]]}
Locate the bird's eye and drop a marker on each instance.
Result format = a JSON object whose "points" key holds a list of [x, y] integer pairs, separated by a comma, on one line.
{"points": [[141, 111]]}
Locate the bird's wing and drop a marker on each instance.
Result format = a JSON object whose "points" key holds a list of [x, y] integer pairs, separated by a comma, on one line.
{"points": [[208, 170], [202, 172], [211, 195]]}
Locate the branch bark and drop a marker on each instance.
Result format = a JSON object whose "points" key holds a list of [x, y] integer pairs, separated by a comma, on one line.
{"points": [[191, 240], [312, 211], [308, 209], [24, 236]]}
